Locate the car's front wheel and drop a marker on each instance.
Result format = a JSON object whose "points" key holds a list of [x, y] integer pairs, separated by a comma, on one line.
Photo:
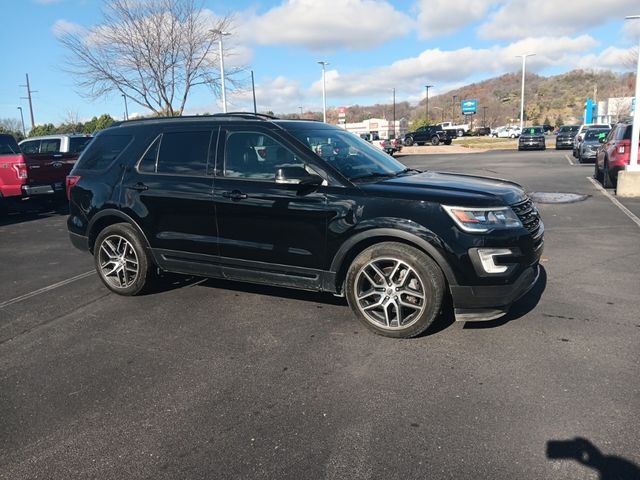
{"points": [[395, 290], [408, 141], [121, 260], [435, 140]]}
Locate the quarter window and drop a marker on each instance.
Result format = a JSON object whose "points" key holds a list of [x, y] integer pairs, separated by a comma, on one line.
{"points": [[102, 151], [149, 161], [50, 146], [30, 147]]}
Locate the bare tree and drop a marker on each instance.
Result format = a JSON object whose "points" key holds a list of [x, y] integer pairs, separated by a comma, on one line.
{"points": [[152, 51]]}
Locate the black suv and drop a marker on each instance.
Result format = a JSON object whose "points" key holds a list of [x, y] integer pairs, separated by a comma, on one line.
{"points": [[305, 205], [429, 134]]}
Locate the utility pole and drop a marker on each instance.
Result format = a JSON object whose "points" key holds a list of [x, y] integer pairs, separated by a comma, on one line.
{"points": [[394, 113], [324, 91], [453, 110], [484, 116], [126, 108], [426, 106], [24, 133], [253, 88], [28, 97]]}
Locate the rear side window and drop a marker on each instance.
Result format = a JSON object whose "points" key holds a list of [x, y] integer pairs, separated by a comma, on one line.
{"points": [[51, 145], [183, 153], [103, 151], [627, 132], [77, 144]]}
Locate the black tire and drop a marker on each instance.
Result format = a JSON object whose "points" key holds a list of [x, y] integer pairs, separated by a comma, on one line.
{"points": [[460, 133], [408, 141], [435, 140], [597, 173], [106, 257], [447, 142], [519, 149], [606, 177], [409, 271]]}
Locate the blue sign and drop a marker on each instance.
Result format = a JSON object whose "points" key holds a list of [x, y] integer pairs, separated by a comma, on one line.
{"points": [[469, 107]]}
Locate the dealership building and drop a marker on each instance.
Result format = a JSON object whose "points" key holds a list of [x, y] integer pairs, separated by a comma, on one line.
{"points": [[384, 128], [614, 109]]}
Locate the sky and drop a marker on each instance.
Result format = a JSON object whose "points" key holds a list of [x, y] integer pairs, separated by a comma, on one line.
{"points": [[372, 46]]}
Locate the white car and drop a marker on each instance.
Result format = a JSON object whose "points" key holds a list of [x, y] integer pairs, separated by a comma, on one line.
{"points": [[506, 132]]}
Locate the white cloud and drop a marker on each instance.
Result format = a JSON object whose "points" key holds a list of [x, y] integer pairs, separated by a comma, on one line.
{"points": [[330, 24], [524, 18], [280, 94], [62, 27], [47, 2], [612, 58], [440, 17]]}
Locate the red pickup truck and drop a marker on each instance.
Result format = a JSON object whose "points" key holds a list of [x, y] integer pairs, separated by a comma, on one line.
{"points": [[38, 167]]}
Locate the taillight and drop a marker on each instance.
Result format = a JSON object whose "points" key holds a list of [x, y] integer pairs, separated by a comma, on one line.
{"points": [[21, 170], [71, 181], [621, 149]]}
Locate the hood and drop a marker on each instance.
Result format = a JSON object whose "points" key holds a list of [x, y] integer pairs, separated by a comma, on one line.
{"points": [[449, 188]]}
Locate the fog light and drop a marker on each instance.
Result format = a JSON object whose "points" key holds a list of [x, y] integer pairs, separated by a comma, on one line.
{"points": [[487, 258]]}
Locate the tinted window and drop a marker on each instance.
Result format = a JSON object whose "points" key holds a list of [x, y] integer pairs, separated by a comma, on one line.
{"points": [[533, 131], [8, 145], [569, 129], [51, 145], [595, 134], [32, 146], [621, 132], [257, 156], [627, 132], [102, 151], [184, 153], [77, 144]]}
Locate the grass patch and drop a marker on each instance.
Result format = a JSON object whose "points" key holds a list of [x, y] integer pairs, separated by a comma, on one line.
{"points": [[490, 143]]}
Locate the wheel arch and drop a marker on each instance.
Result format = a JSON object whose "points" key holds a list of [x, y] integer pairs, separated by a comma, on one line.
{"points": [[109, 217], [359, 242]]}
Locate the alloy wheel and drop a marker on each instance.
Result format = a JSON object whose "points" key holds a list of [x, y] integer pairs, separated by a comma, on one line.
{"points": [[389, 293], [118, 261]]}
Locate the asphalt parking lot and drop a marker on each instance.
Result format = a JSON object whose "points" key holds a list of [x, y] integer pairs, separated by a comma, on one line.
{"points": [[208, 380]]}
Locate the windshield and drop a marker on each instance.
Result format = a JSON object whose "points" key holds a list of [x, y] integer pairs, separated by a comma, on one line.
{"points": [[8, 145], [533, 131], [348, 153], [595, 134], [569, 129]]}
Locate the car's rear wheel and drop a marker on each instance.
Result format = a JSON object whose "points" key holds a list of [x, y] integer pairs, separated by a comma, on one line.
{"points": [[606, 177], [435, 140], [395, 290], [121, 260], [408, 141], [597, 173]]}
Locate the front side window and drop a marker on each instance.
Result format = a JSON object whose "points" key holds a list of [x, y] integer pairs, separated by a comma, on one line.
{"points": [[348, 153], [51, 145], [32, 146], [8, 145], [255, 155]]}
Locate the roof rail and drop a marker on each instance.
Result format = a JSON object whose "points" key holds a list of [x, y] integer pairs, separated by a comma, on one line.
{"points": [[246, 115]]}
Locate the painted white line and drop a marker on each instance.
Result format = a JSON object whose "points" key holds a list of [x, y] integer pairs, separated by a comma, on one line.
{"points": [[615, 201], [566, 155], [26, 296]]}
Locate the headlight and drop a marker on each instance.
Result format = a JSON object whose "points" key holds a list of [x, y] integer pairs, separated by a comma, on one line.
{"points": [[479, 220]]}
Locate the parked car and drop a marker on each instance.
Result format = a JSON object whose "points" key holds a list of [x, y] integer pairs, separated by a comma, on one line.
{"points": [[565, 135], [532, 138], [506, 132], [396, 143], [548, 129], [49, 160], [481, 131], [592, 139], [613, 155], [432, 134], [577, 140], [154, 194], [13, 172], [382, 144], [453, 131]]}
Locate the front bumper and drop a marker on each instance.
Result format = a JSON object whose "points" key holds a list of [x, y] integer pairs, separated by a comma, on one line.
{"points": [[474, 303], [562, 143], [531, 144]]}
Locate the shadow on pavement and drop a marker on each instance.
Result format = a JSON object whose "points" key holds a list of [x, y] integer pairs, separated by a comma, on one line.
{"points": [[518, 309], [31, 212], [586, 453]]}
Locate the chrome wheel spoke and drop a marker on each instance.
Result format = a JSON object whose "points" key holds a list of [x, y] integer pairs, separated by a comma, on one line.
{"points": [[370, 294], [372, 281], [118, 261], [379, 272]]}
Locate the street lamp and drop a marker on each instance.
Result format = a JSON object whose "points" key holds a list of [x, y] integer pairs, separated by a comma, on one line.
{"points": [[453, 110], [221, 34], [24, 132], [426, 106], [394, 113], [126, 109], [524, 66], [635, 130], [324, 91]]}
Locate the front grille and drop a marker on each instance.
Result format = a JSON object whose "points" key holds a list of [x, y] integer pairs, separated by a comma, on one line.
{"points": [[529, 216]]}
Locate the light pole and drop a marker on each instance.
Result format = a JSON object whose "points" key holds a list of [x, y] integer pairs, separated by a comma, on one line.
{"points": [[324, 91], [484, 116], [426, 106], [453, 110], [442, 111], [221, 34], [24, 132], [253, 89], [126, 109], [524, 66], [635, 130], [394, 113]]}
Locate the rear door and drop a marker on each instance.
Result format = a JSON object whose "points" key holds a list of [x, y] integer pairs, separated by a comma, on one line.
{"points": [[170, 191]]}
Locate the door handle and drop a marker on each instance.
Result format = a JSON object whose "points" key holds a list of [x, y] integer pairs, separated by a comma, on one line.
{"points": [[140, 187], [235, 195]]}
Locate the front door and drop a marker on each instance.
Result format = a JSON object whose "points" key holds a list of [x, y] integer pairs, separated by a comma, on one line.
{"points": [[267, 228]]}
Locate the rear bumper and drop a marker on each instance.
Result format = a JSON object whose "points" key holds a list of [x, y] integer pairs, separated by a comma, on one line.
{"points": [[79, 241], [36, 190], [490, 302]]}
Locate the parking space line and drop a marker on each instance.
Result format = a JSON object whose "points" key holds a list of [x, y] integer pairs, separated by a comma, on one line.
{"points": [[566, 155], [616, 202], [62, 283]]}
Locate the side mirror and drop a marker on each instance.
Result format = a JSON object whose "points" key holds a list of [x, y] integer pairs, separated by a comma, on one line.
{"points": [[297, 176]]}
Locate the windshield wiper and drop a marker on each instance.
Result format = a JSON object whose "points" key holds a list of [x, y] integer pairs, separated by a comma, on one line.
{"points": [[408, 170], [372, 175]]}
